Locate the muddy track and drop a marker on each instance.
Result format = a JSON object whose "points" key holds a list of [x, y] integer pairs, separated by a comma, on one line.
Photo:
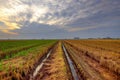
{"points": [[104, 73], [34, 70], [72, 66], [52, 66], [57, 65]]}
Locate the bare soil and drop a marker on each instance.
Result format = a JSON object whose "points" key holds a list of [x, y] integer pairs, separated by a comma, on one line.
{"points": [[104, 72]]}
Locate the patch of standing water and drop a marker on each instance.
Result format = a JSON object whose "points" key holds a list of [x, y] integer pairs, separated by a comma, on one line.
{"points": [[73, 71], [40, 66]]}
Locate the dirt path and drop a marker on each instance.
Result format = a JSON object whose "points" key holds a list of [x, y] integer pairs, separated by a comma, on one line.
{"points": [[108, 75], [55, 67], [105, 73]]}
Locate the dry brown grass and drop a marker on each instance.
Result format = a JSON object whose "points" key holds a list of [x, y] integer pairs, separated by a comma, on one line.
{"points": [[84, 63], [55, 67], [99, 52], [19, 67]]}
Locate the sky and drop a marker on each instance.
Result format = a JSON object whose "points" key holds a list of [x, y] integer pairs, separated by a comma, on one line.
{"points": [[59, 19]]}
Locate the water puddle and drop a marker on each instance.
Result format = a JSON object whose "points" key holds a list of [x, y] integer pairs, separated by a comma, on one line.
{"points": [[70, 62], [40, 66]]}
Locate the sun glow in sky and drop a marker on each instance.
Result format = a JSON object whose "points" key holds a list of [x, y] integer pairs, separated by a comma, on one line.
{"points": [[59, 18]]}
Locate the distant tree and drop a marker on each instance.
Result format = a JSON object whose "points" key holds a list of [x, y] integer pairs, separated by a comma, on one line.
{"points": [[90, 38], [107, 38], [76, 38]]}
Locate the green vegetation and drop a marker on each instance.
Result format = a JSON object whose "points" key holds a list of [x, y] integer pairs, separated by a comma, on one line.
{"points": [[17, 65], [10, 48], [93, 59]]}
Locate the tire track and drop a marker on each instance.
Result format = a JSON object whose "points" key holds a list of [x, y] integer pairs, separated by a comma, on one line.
{"points": [[71, 65]]}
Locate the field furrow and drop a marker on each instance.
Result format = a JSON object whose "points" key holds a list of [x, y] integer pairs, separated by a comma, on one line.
{"points": [[21, 65], [86, 61], [60, 60], [54, 67]]}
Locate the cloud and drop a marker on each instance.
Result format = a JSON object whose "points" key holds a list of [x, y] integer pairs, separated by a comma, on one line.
{"points": [[9, 32], [91, 24], [79, 28], [9, 15], [69, 15]]}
